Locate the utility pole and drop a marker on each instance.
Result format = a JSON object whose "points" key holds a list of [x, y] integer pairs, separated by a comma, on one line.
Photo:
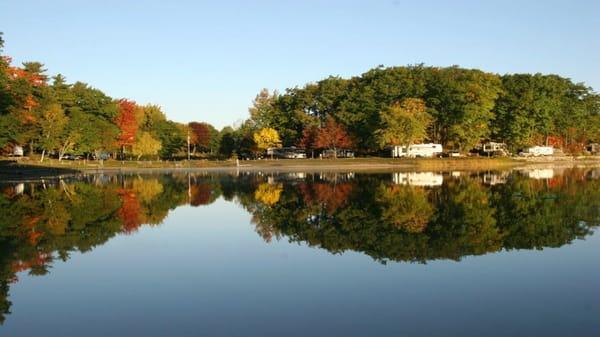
{"points": [[188, 143]]}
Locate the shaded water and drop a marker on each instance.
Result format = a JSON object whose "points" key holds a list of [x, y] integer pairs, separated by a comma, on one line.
{"points": [[295, 254]]}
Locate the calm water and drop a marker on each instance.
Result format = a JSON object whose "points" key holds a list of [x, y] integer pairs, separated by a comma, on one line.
{"points": [[331, 254]]}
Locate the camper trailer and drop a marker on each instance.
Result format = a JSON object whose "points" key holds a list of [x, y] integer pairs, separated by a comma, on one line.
{"points": [[494, 149], [17, 151], [537, 151], [417, 150]]}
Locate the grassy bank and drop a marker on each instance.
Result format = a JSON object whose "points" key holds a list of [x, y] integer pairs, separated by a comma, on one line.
{"points": [[33, 168]]}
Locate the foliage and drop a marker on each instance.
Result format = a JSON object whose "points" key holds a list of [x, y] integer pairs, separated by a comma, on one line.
{"points": [[127, 123], [267, 138], [145, 145], [333, 136], [52, 125], [404, 123]]}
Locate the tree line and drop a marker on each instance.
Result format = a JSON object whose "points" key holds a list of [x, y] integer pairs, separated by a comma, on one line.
{"points": [[50, 116], [457, 107]]}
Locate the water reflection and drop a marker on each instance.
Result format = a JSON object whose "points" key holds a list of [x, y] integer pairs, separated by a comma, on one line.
{"points": [[414, 217]]}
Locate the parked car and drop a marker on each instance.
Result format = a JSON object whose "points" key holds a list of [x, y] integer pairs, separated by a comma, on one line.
{"points": [[287, 152], [69, 156], [451, 154], [339, 153]]}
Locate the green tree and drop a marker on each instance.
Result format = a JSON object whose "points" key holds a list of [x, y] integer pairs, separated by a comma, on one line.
{"points": [[404, 123], [52, 125]]}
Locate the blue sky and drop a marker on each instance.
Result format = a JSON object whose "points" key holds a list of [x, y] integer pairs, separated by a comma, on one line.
{"points": [[206, 61]]}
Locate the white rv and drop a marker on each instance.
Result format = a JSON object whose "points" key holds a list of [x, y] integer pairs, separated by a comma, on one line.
{"points": [[417, 150], [18, 151], [495, 149], [537, 151]]}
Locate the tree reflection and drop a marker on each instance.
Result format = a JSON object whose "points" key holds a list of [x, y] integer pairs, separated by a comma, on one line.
{"points": [[404, 206], [368, 213]]}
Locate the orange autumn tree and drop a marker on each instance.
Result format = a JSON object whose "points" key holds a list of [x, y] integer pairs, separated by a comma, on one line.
{"points": [[333, 136], [127, 124], [309, 139]]}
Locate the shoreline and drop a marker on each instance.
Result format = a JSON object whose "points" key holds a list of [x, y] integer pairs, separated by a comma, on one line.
{"points": [[26, 170]]}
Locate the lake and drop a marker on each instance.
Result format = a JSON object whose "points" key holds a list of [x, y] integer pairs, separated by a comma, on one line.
{"points": [[492, 253]]}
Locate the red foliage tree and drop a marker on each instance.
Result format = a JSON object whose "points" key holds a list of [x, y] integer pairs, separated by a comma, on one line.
{"points": [[333, 136], [200, 134], [309, 138], [127, 123]]}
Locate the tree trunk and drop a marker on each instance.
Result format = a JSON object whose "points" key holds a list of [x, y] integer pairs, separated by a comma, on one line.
{"points": [[43, 153]]}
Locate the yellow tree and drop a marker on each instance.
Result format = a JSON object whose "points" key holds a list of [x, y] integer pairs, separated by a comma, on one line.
{"points": [[146, 145], [267, 138]]}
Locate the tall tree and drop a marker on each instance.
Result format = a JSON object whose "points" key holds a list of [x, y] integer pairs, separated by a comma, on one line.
{"points": [[52, 125], [127, 124], [309, 138], [404, 123], [200, 135]]}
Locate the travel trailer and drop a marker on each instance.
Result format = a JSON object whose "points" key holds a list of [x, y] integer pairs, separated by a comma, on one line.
{"points": [[17, 151], [494, 149], [417, 150], [537, 151]]}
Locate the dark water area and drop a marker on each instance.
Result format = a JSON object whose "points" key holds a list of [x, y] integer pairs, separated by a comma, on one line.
{"points": [[303, 254]]}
